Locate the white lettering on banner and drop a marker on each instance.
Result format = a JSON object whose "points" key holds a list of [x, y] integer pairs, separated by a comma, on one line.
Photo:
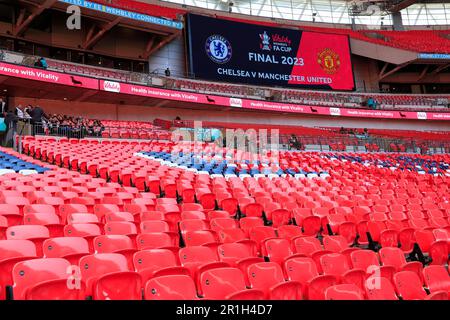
{"points": [[359, 113], [9, 70], [273, 76], [27, 73], [164, 94], [276, 107]]}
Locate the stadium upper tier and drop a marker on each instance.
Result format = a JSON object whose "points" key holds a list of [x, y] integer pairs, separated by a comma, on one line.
{"points": [[427, 41], [409, 102]]}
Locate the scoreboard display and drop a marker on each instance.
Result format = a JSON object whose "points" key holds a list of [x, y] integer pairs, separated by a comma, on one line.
{"points": [[229, 51]]}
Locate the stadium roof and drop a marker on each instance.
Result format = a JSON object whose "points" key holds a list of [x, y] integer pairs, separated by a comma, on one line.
{"points": [[414, 13]]}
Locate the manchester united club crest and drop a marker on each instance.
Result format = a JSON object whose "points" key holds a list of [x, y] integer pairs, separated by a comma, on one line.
{"points": [[329, 61]]}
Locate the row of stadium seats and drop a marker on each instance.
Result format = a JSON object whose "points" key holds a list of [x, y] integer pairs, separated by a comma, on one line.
{"points": [[199, 235]]}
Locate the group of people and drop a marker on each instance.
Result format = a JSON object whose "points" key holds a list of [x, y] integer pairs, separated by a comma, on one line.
{"points": [[294, 143], [59, 124], [72, 126], [351, 131]]}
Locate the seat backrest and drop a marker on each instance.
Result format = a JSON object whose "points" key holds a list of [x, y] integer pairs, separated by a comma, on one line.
{"points": [[334, 264], [155, 226], [39, 208], [120, 228], [197, 238], [28, 273], [16, 248], [154, 259], [218, 283], [64, 246], [171, 287], [118, 216], [260, 233], [301, 269], [233, 252], [424, 239], [409, 286], [391, 256], [307, 245], [41, 218], [192, 225], [96, 265], [196, 254], [335, 243], [436, 278], [112, 243], [363, 259], [82, 218], [264, 275], [343, 292], [27, 232], [218, 224], [289, 231], [379, 288], [82, 230], [153, 240], [277, 249]]}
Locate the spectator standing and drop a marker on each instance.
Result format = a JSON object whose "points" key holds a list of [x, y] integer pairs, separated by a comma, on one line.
{"points": [[3, 106]]}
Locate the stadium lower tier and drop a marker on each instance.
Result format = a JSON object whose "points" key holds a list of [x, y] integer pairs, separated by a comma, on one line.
{"points": [[105, 222]]}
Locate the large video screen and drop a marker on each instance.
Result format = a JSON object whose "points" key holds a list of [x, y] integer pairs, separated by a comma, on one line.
{"points": [[230, 51]]}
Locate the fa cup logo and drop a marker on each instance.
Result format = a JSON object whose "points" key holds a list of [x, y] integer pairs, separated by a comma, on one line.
{"points": [[265, 41]]}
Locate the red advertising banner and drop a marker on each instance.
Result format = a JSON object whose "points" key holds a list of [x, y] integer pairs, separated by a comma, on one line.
{"points": [[12, 70], [139, 90], [125, 88]]}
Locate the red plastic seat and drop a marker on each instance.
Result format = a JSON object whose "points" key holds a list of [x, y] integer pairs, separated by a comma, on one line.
{"points": [[395, 258], [379, 288], [197, 238], [222, 223], [259, 234], [307, 245], [44, 279], [343, 292], [268, 277], [86, 230], [12, 252], [277, 249], [247, 223], [69, 248], [171, 287], [409, 287], [116, 244], [436, 278], [12, 213], [153, 262], [35, 233], [221, 283], [47, 219], [107, 277]]}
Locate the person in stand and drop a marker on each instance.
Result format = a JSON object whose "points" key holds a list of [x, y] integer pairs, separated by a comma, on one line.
{"points": [[3, 106], [41, 63], [293, 142], [167, 72], [36, 115], [366, 133], [11, 127]]}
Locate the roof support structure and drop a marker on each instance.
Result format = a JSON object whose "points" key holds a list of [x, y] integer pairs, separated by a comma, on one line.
{"points": [[397, 68], [92, 38], [23, 23]]}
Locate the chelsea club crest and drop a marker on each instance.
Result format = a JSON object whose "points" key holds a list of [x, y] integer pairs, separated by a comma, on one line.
{"points": [[218, 49]]}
